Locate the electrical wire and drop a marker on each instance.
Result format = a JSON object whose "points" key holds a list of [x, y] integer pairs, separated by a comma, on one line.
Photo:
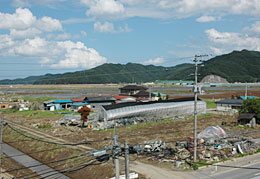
{"points": [[52, 167], [40, 140], [55, 161]]}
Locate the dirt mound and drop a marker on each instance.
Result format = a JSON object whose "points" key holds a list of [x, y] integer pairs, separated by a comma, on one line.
{"points": [[213, 79]]}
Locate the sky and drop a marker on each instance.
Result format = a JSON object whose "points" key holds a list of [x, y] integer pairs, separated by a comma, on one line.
{"points": [[56, 36]]}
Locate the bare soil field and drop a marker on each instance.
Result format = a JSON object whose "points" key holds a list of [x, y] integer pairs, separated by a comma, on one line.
{"points": [[167, 130]]}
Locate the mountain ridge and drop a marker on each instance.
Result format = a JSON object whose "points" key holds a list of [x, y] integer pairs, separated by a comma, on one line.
{"points": [[237, 66]]}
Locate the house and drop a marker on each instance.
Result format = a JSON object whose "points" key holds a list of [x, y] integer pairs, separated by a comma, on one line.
{"points": [[124, 99], [54, 105], [77, 103], [96, 102], [227, 104], [131, 90], [144, 94], [248, 118]]}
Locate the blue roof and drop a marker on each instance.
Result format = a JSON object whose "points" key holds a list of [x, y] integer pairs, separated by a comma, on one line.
{"points": [[63, 101], [248, 97]]}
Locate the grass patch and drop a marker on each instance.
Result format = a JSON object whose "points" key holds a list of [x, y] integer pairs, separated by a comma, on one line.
{"points": [[210, 103]]}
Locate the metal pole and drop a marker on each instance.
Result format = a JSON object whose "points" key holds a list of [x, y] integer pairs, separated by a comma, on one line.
{"points": [[1, 140], [116, 157], [126, 161], [150, 94], [195, 108], [246, 92]]}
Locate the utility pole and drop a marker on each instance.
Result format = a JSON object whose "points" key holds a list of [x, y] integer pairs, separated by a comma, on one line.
{"points": [[195, 108], [150, 94], [126, 161], [116, 154], [196, 91], [246, 92], [1, 140]]}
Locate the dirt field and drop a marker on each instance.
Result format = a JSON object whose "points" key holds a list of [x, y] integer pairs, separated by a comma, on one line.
{"points": [[168, 130]]}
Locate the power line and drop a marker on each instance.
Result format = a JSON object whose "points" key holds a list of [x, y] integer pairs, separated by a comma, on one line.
{"points": [[40, 140], [55, 161]]}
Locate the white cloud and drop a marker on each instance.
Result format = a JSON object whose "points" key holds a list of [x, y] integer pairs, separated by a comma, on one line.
{"points": [[23, 34], [78, 55], [224, 42], [206, 19], [63, 36], [28, 3], [107, 9], [31, 47], [154, 61], [253, 30], [103, 8], [21, 19], [49, 24], [108, 27]]}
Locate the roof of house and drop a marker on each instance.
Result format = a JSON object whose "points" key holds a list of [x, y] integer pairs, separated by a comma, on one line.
{"points": [[230, 101], [78, 100], [247, 116], [133, 87], [62, 101], [119, 97], [79, 104], [100, 98], [248, 97], [143, 94], [121, 105]]}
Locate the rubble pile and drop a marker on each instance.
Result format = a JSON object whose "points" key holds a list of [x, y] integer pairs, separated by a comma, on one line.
{"points": [[213, 145], [70, 120]]}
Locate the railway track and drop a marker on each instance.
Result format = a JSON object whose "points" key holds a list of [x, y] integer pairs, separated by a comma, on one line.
{"points": [[47, 137]]}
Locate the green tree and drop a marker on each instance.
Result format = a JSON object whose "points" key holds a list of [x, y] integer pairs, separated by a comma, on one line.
{"points": [[251, 106]]}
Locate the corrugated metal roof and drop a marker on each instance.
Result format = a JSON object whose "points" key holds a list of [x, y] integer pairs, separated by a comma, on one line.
{"points": [[230, 101], [121, 105], [100, 98], [133, 87]]}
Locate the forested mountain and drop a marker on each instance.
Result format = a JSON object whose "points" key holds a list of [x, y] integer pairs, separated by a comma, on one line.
{"points": [[238, 66]]}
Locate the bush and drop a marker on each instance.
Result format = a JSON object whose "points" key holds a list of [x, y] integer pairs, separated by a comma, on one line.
{"points": [[251, 106]]}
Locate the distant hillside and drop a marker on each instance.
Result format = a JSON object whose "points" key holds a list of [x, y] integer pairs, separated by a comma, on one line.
{"points": [[238, 66], [106, 73]]}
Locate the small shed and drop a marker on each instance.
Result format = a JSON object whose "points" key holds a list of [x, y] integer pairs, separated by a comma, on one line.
{"points": [[98, 101], [131, 89], [227, 104], [248, 118], [54, 105]]}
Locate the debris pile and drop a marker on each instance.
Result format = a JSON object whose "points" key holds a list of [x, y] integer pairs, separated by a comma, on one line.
{"points": [[213, 145], [70, 120]]}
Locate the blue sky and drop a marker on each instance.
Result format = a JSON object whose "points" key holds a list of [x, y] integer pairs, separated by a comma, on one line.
{"points": [[57, 36]]}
